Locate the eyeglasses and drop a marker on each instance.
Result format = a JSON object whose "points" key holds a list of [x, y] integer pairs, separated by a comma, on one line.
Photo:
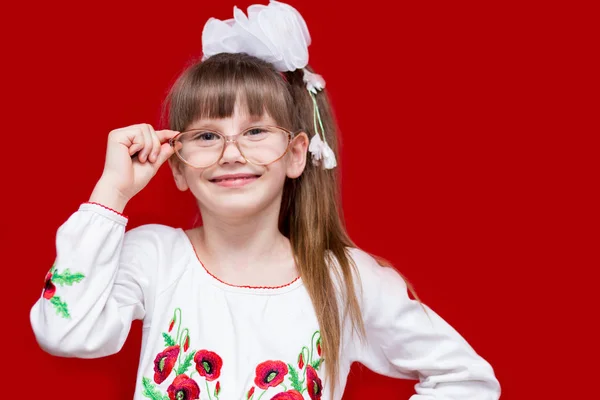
{"points": [[259, 145]]}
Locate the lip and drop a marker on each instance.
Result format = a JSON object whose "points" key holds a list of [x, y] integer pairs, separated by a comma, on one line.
{"points": [[234, 176], [234, 180]]}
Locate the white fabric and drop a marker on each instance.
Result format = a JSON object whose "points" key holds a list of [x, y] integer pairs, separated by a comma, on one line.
{"points": [[321, 153], [314, 82], [152, 270], [275, 33]]}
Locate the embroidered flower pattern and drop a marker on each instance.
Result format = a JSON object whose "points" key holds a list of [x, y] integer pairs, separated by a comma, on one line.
{"points": [[49, 288], [271, 374], [183, 388], [208, 364], [64, 278], [175, 366], [289, 395], [313, 383], [164, 363], [177, 359]]}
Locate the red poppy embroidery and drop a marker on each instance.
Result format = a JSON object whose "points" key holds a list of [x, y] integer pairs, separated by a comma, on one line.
{"points": [[177, 359], [49, 288], [164, 363], [313, 383], [60, 278], [208, 364], [270, 374], [183, 388], [304, 377], [289, 395]]}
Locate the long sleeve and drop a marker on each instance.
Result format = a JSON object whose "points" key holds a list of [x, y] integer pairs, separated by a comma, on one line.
{"points": [[405, 341], [96, 287]]}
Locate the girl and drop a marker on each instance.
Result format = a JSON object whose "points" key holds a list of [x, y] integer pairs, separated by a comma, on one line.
{"points": [[269, 298]]}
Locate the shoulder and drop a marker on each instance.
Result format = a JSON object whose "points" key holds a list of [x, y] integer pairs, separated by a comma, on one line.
{"points": [[162, 251], [151, 233], [364, 261], [153, 241], [371, 270], [374, 280]]}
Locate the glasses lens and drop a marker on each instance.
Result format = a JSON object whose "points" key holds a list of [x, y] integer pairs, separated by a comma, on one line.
{"points": [[259, 145], [263, 145], [200, 148]]}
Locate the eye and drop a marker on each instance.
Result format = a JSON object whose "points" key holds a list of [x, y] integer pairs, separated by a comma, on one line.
{"points": [[205, 136], [256, 133]]}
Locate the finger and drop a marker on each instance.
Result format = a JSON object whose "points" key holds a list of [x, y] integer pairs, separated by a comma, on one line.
{"points": [[166, 151], [148, 144], [165, 135], [134, 148], [136, 142], [155, 145]]}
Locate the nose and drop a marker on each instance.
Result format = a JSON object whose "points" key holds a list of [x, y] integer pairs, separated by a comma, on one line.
{"points": [[231, 153]]}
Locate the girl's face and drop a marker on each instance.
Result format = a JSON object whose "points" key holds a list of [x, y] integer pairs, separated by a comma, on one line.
{"points": [[234, 187]]}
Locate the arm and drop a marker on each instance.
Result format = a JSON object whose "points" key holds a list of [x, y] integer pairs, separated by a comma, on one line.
{"points": [[405, 341], [100, 282], [102, 278]]}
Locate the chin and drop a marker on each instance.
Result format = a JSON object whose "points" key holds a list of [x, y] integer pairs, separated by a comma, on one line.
{"points": [[240, 204], [239, 208]]}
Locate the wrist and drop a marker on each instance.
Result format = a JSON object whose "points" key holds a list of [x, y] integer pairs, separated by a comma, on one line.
{"points": [[109, 196]]}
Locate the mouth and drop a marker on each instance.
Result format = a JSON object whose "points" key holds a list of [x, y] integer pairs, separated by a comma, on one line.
{"points": [[234, 180]]}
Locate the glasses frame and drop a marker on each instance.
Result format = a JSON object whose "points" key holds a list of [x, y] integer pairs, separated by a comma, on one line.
{"points": [[232, 139]]}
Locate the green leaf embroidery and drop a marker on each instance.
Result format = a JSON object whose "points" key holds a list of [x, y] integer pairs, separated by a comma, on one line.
{"points": [[169, 341], [294, 380], [60, 307], [67, 277], [186, 363], [316, 364], [151, 391]]}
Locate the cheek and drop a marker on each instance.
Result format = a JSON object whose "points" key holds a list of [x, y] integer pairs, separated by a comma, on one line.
{"points": [[194, 179], [278, 171], [193, 176]]}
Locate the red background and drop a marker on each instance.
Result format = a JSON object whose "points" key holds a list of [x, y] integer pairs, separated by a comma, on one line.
{"points": [[465, 162]]}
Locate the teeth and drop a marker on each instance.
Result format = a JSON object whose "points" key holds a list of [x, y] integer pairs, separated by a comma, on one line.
{"points": [[233, 179]]}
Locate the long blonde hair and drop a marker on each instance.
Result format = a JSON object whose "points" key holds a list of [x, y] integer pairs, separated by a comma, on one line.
{"points": [[310, 210]]}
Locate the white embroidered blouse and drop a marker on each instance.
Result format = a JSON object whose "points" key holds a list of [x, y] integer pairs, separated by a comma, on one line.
{"points": [[206, 339]]}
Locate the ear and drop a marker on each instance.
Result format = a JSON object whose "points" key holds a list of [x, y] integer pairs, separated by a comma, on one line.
{"points": [[297, 155], [177, 168]]}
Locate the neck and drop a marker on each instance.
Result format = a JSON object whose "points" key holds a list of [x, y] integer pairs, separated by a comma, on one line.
{"points": [[234, 245]]}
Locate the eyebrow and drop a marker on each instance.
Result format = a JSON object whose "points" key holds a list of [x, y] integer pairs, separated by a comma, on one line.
{"points": [[213, 124]]}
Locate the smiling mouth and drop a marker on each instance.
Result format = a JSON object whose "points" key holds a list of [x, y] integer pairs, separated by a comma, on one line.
{"points": [[233, 178]]}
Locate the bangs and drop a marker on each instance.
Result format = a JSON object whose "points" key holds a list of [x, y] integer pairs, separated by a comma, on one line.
{"points": [[211, 90]]}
